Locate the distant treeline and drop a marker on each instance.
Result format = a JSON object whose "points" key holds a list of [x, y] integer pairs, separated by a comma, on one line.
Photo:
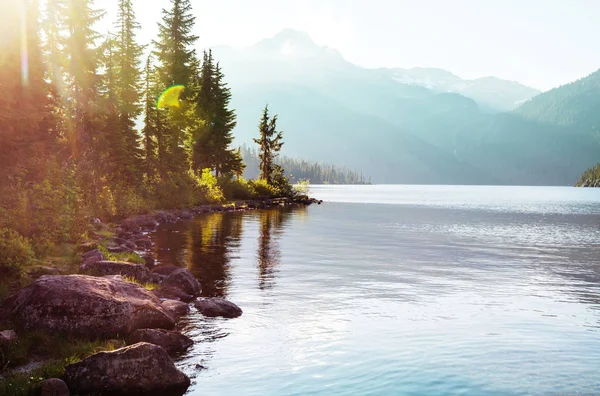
{"points": [[298, 169]]}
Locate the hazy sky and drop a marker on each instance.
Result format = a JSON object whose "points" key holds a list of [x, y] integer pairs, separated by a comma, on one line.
{"points": [[541, 43]]}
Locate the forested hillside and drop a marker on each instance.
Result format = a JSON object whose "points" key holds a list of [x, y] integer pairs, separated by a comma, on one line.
{"points": [[301, 170]]}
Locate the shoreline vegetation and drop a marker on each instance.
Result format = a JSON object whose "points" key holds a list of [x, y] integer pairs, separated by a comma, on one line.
{"points": [[34, 353], [590, 178], [72, 162]]}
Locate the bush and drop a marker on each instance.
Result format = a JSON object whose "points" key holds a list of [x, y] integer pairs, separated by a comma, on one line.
{"points": [[238, 188], [301, 188], [261, 188], [15, 251], [187, 190]]}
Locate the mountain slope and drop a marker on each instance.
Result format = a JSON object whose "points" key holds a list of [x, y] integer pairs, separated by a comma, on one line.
{"points": [[333, 111], [493, 94]]}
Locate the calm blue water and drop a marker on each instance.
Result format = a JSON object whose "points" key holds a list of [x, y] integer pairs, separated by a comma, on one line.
{"points": [[399, 290]]}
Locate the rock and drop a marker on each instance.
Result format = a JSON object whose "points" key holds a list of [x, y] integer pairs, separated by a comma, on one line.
{"points": [[139, 272], [86, 306], [213, 307], [8, 337], [142, 368], [130, 225], [150, 261], [171, 341], [167, 269], [177, 309], [158, 278], [173, 293], [147, 222], [119, 249], [186, 214], [52, 387], [143, 243], [39, 270], [92, 256], [181, 281]]}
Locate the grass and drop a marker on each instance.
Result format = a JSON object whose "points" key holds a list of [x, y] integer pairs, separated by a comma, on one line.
{"points": [[130, 257], [147, 286], [56, 352]]}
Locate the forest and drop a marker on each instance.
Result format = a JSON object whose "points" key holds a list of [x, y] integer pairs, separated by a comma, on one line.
{"points": [[70, 150], [298, 170]]}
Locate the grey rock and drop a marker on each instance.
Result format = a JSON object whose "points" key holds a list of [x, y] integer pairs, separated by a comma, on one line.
{"points": [[176, 308], [142, 368], [171, 341], [165, 269], [86, 306], [213, 307], [139, 272], [52, 387], [184, 280]]}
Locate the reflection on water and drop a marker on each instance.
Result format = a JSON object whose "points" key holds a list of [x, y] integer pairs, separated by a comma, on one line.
{"points": [[387, 290], [207, 244]]}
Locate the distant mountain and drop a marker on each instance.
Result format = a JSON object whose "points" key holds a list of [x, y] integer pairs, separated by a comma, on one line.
{"points": [[492, 93], [398, 131]]}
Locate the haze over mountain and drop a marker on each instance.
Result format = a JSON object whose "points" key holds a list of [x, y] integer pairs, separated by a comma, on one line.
{"points": [[412, 126]]}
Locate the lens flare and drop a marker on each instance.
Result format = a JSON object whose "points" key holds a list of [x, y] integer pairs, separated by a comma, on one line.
{"points": [[170, 98], [24, 51]]}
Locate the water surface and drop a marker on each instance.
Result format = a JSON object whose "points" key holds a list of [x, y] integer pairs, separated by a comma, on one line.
{"points": [[389, 290]]}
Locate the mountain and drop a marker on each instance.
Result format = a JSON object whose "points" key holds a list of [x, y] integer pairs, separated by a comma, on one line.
{"points": [[492, 93], [398, 131]]}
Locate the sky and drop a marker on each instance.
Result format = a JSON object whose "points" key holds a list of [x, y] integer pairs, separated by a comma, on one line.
{"points": [[540, 43]]}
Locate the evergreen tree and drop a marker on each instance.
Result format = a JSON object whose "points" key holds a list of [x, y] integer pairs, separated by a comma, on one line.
{"points": [[224, 158], [203, 142], [176, 60], [151, 120], [83, 79], [270, 143], [128, 92]]}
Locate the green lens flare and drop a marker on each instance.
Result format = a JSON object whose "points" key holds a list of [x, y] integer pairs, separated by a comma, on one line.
{"points": [[170, 97]]}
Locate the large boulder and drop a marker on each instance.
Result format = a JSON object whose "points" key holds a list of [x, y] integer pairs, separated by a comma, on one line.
{"points": [[176, 308], [86, 306], [213, 307], [138, 369], [171, 341], [181, 284], [183, 280], [51, 387], [92, 256], [165, 269], [139, 272]]}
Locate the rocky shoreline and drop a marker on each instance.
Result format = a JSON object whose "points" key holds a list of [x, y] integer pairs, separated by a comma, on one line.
{"points": [[108, 299]]}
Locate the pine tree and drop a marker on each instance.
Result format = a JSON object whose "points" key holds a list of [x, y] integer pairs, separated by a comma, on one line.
{"points": [[83, 79], [53, 26], [270, 143], [176, 60], [24, 136], [128, 92], [224, 157], [151, 120], [203, 142]]}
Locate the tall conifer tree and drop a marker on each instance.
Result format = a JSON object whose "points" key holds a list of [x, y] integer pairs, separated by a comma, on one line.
{"points": [[270, 143]]}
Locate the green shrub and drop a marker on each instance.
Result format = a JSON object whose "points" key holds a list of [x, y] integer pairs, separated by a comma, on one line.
{"points": [[261, 188], [301, 188], [236, 188], [15, 251]]}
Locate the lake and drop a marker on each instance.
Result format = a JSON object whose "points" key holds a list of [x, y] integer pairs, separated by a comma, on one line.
{"points": [[398, 290]]}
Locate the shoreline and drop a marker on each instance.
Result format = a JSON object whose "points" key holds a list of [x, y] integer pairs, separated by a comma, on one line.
{"points": [[118, 254]]}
